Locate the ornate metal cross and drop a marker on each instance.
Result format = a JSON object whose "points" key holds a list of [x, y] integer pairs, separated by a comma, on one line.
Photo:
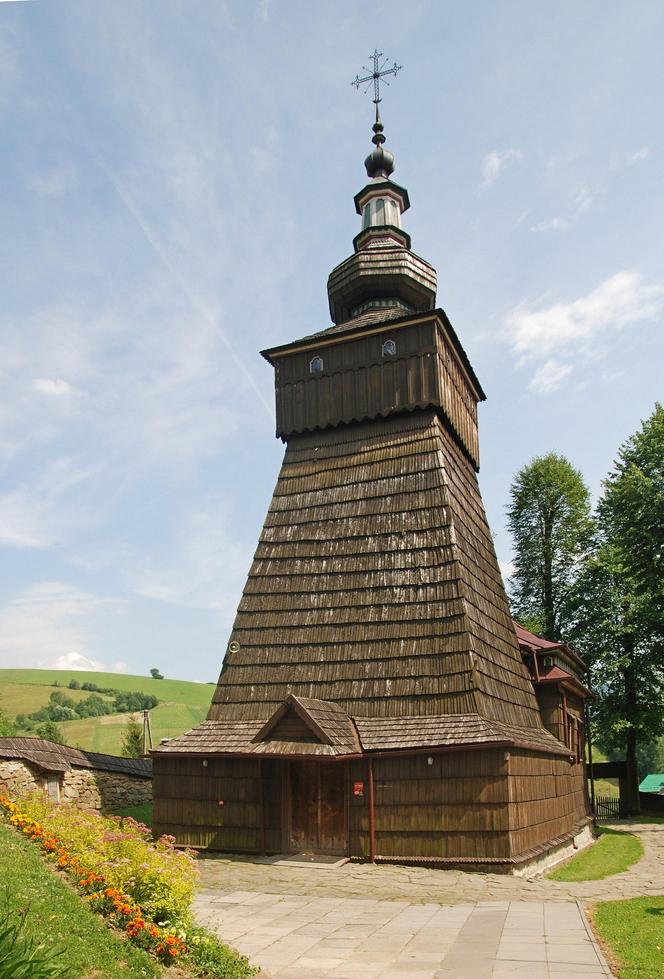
{"points": [[379, 71]]}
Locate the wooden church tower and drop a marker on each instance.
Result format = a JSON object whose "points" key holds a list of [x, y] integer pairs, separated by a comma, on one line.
{"points": [[373, 700]]}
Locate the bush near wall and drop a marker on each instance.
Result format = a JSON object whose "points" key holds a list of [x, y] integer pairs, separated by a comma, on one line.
{"points": [[143, 887]]}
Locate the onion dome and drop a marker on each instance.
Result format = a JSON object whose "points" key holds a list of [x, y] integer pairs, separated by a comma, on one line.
{"points": [[380, 162]]}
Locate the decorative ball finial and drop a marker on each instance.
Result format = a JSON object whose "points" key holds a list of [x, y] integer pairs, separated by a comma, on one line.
{"points": [[380, 162]]}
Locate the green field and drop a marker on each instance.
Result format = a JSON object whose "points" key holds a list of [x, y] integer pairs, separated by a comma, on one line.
{"points": [[182, 704]]}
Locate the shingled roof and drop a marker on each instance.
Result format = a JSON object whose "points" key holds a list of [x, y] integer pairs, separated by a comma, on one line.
{"points": [[52, 757], [374, 734], [375, 585]]}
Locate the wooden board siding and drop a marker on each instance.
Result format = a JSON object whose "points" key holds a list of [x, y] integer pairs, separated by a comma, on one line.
{"points": [[550, 704], [475, 805], [357, 382], [456, 807], [375, 585], [548, 798], [187, 796]]}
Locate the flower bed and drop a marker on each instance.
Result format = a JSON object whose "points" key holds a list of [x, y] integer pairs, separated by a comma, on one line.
{"points": [[74, 841]]}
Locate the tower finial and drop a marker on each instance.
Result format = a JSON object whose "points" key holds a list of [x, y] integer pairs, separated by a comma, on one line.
{"points": [[380, 162]]}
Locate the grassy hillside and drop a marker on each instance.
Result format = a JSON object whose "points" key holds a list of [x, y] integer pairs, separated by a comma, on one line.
{"points": [[182, 704]]}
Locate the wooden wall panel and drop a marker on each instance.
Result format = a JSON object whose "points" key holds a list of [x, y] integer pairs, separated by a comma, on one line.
{"points": [[548, 798], [187, 796], [455, 807]]}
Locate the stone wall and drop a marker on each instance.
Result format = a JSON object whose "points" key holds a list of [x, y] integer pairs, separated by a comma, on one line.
{"points": [[86, 787], [104, 790], [18, 778]]}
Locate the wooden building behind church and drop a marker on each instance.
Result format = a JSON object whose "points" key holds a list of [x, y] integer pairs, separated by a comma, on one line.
{"points": [[376, 699]]}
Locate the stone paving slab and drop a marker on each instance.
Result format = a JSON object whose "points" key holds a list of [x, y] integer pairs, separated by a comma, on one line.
{"points": [[395, 940], [415, 885], [360, 921]]}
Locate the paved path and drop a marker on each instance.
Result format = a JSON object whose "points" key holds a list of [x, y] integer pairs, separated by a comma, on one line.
{"points": [[422, 885], [295, 937], [386, 922]]}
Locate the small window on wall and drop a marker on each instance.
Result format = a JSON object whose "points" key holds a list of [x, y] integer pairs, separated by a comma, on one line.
{"points": [[316, 365], [389, 348]]}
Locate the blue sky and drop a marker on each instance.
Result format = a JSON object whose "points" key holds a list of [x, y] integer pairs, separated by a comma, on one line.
{"points": [[177, 184]]}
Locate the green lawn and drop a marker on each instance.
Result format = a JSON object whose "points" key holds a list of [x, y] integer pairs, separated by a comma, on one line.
{"points": [[143, 814], [182, 704], [614, 852], [634, 932], [57, 916]]}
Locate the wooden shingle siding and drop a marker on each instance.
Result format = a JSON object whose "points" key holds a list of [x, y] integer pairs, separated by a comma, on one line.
{"points": [[349, 579]]}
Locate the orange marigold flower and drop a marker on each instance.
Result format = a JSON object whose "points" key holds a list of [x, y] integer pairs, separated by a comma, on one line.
{"points": [[173, 951]]}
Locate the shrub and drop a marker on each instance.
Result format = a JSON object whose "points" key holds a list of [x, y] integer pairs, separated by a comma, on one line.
{"points": [[51, 732], [154, 874], [93, 706]]}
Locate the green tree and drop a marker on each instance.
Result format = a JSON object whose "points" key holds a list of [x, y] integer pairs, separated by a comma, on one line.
{"points": [[132, 739], [549, 518], [632, 511], [619, 602], [155, 674], [51, 732], [7, 726]]}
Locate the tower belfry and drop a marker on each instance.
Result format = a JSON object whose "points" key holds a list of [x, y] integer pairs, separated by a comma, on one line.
{"points": [[373, 699]]}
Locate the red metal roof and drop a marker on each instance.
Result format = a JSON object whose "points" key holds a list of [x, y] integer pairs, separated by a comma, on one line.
{"points": [[532, 642]]}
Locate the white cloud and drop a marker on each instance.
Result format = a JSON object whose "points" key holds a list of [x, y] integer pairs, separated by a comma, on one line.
{"points": [[47, 626], [641, 154], [36, 515], [54, 182], [494, 163], [206, 561], [53, 386], [581, 199], [262, 11], [549, 376], [555, 224], [507, 569], [76, 661], [21, 521], [621, 300]]}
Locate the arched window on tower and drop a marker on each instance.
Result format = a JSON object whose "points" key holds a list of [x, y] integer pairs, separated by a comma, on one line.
{"points": [[316, 365], [389, 348]]}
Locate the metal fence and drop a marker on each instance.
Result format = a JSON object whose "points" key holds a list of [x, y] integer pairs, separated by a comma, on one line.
{"points": [[607, 807]]}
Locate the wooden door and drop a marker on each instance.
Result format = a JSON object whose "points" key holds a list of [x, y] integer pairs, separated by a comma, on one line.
{"points": [[304, 806], [318, 807]]}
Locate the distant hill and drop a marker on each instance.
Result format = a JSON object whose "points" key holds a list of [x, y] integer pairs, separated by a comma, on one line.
{"points": [[182, 704]]}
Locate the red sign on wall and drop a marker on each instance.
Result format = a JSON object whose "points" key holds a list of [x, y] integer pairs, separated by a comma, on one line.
{"points": [[358, 788]]}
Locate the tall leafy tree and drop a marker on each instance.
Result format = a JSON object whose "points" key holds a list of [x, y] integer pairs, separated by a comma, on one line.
{"points": [[632, 509], [550, 521], [620, 601]]}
